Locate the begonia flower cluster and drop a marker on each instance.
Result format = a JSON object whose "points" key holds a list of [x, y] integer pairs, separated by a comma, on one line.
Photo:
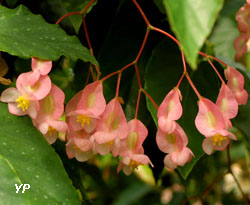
{"points": [[97, 128], [94, 127], [35, 95], [242, 42], [213, 119]]}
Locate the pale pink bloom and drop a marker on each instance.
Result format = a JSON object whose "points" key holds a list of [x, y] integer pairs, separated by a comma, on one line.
{"points": [[169, 111], [39, 67], [209, 120], [111, 128], [20, 105], [211, 123], [227, 104], [217, 142], [131, 149], [236, 84], [243, 18], [24, 99], [175, 144], [128, 164], [178, 158], [51, 109], [89, 107], [79, 145], [241, 45], [172, 142]]}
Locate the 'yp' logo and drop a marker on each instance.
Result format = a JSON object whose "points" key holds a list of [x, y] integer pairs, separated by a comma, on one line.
{"points": [[25, 186]]}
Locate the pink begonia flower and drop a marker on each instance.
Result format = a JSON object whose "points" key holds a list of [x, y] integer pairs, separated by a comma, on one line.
{"points": [[227, 104], [79, 145], [243, 18], [131, 149], [236, 84], [39, 67], [175, 144], [211, 123], [169, 111], [241, 45], [111, 128], [90, 106], [51, 109], [178, 158], [24, 99]]}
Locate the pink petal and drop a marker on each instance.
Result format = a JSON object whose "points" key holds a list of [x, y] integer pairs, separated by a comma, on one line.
{"points": [[13, 109], [170, 109], [43, 127], [207, 145], [41, 66], [92, 98], [166, 125], [10, 95], [51, 138], [209, 118], [114, 120], [72, 104], [169, 163], [235, 79], [227, 102], [241, 97], [182, 157], [104, 137], [58, 125], [82, 156], [102, 149], [70, 150], [84, 144]]}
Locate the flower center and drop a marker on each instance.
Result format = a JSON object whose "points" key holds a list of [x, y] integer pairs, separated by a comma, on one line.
{"points": [[217, 139], [23, 103], [110, 143], [83, 119], [52, 131], [133, 164]]}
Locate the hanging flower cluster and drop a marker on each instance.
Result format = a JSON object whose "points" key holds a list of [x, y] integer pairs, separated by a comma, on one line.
{"points": [[37, 97], [213, 120], [170, 136], [241, 43]]}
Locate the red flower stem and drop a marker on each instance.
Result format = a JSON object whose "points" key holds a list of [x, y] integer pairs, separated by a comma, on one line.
{"points": [[89, 44], [216, 71], [92, 72], [138, 103], [179, 82], [189, 199], [208, 56], [118, 84], [86, 8], [66, 15], [142, 13], [87, 79], [192, 85], [235, 179], [138, 75], [166, 34], [143, 45], [150, 98]]}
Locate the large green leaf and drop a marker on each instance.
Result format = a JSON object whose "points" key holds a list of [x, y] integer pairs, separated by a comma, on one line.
{"points": [[192, 21], [26, 35], [26, 158], [162, 74]]}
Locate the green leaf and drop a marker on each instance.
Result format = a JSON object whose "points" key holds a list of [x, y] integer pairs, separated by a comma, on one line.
{"points": [[77, 6], [192, 22], [26, 35], [162, 74], [27, 158]]}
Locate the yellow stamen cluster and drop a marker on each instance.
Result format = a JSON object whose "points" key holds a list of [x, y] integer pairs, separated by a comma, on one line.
{"points": [[83, 119], [52, 131], [23, 103], [217, 139], [133, 164], [110, 143]]}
